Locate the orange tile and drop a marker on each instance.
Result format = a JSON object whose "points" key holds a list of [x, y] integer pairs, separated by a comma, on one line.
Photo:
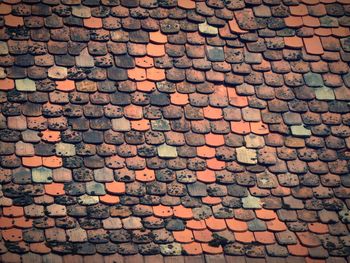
{"points": [[324, 32], [133, 112], [6, 222], [51, 136], [140, 125], [5, 9], [109, 199], [115, 187], [240, 127], [137, 74], [298, 250], [210, 200], [313, 45], [311, 21], [145, 175], [155, 74], [144, 62], [65, 85], [236, 225], [158, 38], [179, 99], [212, 113], [13, 21], [214, 139], [215, 164], [196, 224], [204, 235], [206, 176], [211, 249], [154, 50], [184, 236], [12, 235], [265, 214], [93, 22], [235, 28], [186, 4], [244, 237], [259, 128], [276, 225], [39, 248], [162, 211], [33, 161], [146, 86], [265, 237], [341, 31], [7, 84], [318, 228], [54, 189], [206, 151], [13, 211], [23, 222], [298, 10], [52, 161], [293, 42], [182, 212], [236, 100], [215, 224], [293, 21], [193, 248]]}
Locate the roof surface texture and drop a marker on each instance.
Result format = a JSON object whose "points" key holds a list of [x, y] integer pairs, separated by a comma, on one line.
{"points": [[131, 128]]}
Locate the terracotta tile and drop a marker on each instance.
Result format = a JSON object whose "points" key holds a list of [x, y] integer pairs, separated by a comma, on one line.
{"points": [[39, 248], [293, 42], [298, 10], [162, 211], [146, 86], [211, 249], [193, 248], [202, 235], [240, 127], [212, 113], [65, 85], [244, 237], [158, 37], [313, 45], [293, 21], [51, 136], [52, 162], [155, 74], [13, 211], [184, 236], [265, 237], [109, 199], [214, 140], [155, 50], [206, 176], [236, 225], [137, 74], [7, 84], [13, 21], [54, 189], [144, 62], [182, 212], [186, 4], [215, 224], [34, 161], [12, 235], [298, 250], [145, 175], [93, 22], [23, 222], [179, 99]]}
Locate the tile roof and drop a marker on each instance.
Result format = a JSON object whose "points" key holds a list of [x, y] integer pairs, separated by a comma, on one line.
{"points": [[174, 131]]}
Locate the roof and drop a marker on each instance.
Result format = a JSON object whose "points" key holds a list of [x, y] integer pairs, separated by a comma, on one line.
{"points": [[160, 130]]}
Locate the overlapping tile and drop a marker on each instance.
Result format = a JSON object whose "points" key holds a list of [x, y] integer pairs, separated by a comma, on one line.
{"points": [[175, 128]]}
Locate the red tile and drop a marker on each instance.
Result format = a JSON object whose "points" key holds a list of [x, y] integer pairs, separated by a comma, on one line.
{"points": [[193, 248], [184, 236], [244, 237], [7, 84], [215, 224], [182, 212], [12, 235], [162, 211]]}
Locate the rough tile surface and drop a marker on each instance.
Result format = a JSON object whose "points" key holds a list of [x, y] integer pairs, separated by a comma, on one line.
{"points": [[174, 131]]}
